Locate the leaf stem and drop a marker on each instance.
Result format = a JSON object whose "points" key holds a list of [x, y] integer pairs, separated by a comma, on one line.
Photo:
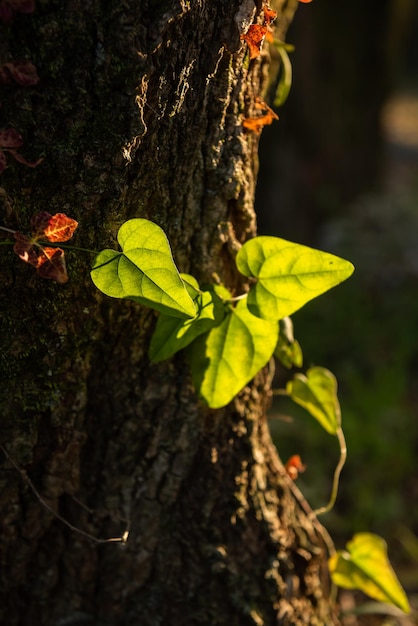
{"points": [[8, 230], [57, 244], [337, 473], [241, 297]]}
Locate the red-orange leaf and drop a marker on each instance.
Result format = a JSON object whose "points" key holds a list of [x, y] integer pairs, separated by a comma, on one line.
{"points": [[269, 15], [25, 249], [54, 228], [256, 124], [294, 466], [254, 38], [51, 264], [39, 222], [49, 261], [305, 1]]}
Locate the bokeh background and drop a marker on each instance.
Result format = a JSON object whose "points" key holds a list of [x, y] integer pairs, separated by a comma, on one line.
{"points": [[339, 172]]}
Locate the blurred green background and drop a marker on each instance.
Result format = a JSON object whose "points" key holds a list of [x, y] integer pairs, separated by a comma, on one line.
{"points": [[339, 171]]}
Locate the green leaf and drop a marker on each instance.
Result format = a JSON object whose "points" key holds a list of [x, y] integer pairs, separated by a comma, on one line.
{"points": [[285, 81], [317, 393], [144, 271], [289, 275], [288, 350], [171, 334], [191, 284], [224, 360], [365, 566]]}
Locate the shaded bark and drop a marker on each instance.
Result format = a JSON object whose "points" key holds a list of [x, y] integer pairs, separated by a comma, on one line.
{"points": [[137, 114]]}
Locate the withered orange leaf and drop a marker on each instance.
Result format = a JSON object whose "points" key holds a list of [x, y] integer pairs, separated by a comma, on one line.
{"points": [[294, 466], [256, 124], [54, 228], [39, 222], [51, 264], [25, 249], [10, 138], [254, 38], [269, 15], [49, 261], [270, 36]]}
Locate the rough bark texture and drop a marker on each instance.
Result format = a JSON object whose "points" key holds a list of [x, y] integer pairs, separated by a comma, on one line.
{"points": [[137, 114]]}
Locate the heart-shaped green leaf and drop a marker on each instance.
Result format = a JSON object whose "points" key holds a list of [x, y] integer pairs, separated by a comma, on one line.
{"points": [[365, 566], [317, 393], [144, 271], [289, 275], [171, 334], [224, 360]]}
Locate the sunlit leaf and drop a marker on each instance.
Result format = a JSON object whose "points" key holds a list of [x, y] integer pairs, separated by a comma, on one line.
{"points": [[365, 566], [289, 275], [144, 271], [254, 37], [224, 360], [51, 264], [257, 123], [54, 228], [269, 14], [172, 334], [317, 393], [48, 261]]}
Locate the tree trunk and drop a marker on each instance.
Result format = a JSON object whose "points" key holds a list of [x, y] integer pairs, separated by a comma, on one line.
{"points": [[137, 114]]}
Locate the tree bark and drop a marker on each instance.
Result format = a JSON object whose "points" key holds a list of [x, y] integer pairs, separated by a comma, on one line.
{"points": [[137, 114]]}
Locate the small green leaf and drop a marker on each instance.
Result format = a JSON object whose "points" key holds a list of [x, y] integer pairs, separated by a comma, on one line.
{"points": [[289, 275], [144, 271], [221, 291], [317, 393], [224, 360], [365, 566], [191, 284], [171, 334], [285, 81], [288, 350]]}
